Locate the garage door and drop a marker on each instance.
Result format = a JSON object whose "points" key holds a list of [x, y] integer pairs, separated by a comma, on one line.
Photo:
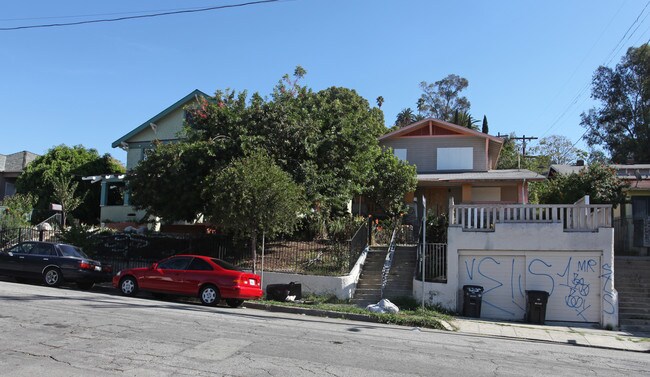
{"points": [[572, 281]]}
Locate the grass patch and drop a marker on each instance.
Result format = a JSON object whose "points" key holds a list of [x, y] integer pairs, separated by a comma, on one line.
{"points": [[410, 313]]}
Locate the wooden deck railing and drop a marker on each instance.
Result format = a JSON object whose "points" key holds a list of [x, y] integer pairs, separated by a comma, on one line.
{"points": [[574, 217]]}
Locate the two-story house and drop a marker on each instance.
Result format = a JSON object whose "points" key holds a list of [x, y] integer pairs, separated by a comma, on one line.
{"points": [[457, 162], [164, 127]]}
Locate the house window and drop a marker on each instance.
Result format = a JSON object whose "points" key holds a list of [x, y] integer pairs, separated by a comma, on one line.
{"points": [[10, 189], [455, 158], [400, 153], [486, 194]]}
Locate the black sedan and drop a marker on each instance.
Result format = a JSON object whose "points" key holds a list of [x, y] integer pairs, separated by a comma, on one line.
{"points": [[53, 263]]}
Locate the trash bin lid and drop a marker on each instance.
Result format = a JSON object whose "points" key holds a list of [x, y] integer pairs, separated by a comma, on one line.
{"points": [[537, 293], [474, 289]]}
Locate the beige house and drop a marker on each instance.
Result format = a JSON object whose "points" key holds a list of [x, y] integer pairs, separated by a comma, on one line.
{"points": [[457, 162], [164, 127]]}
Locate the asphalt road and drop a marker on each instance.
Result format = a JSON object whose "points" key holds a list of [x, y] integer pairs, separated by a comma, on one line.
{"points": [[67, 332]]}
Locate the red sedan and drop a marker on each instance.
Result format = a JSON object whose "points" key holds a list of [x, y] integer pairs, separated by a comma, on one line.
{"points": [[208, 278]]}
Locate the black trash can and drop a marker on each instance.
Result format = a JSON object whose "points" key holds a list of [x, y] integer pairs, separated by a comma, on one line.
{"points": [[472, 298], [279, 292], [536, 306]]}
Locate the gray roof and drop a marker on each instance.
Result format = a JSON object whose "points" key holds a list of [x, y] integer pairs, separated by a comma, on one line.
{"points": [[631, 171], [490, 175], [16, 162], [566, 169]]}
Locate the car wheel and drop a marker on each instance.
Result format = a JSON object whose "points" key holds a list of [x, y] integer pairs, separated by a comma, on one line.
{"points": [[85, 285], [209, 295], [52, 277], [128, 286], [234, 302]]}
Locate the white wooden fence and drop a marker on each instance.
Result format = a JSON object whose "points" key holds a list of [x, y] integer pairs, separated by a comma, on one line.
{"points": [[574, 217]]}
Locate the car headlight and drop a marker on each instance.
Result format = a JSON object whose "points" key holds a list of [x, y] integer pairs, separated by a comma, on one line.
{"points": [[118, 273]]}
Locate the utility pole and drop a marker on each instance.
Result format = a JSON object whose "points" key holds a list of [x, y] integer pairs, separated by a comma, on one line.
{"points": [[524, 139]]}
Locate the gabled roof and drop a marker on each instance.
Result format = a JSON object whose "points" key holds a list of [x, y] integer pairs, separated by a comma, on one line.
{"points": [[16, 162], [454, 128], [180, 103]]}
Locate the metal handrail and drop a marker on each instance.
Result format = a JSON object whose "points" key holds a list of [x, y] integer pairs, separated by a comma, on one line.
{"points": [[388, 262]]}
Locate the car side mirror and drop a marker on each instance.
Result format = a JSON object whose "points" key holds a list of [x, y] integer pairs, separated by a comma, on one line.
{"points": [[154, 266]]}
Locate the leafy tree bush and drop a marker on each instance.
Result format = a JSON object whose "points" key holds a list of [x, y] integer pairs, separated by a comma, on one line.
{"points": [[622, 121], [61, 161], [18, 212], [598, 181], [253, 196]]}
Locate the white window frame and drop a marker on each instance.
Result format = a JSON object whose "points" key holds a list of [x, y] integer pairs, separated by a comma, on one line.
{"points": [[455, 158], [400, 153]]}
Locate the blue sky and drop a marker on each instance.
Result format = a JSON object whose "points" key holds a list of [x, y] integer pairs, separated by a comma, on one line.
{"points": [[528, 63]]}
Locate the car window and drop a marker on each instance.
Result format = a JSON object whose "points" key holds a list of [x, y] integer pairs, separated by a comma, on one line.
{"points": [[72, 251], [199, 264], [225, 265], [177, 263], [22, 248], [42, 249]]}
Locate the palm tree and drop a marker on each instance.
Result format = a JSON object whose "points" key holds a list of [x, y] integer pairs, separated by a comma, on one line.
{"points": [[404, 118]]}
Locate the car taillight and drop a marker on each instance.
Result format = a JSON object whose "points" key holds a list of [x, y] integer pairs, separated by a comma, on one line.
{"points": [[86, 266]]}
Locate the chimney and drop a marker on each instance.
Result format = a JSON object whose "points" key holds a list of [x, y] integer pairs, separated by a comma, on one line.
{"points": [[580, 163]]}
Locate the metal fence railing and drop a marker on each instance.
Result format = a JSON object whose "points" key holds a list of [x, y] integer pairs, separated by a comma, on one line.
{"points": [[10, 237], [128, 250], [321, 257], [435, 268], [388, 262]]}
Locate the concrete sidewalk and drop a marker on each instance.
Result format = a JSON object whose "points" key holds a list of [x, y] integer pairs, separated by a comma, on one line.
{"points": [[556, 332]]}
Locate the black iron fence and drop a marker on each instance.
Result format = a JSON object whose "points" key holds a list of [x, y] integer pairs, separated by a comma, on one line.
{"points": [[128, 250], [10, 237]]}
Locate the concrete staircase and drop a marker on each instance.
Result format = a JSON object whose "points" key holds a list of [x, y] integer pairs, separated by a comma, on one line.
{"points": [[400, 277], [369, 286], [632, 281]]}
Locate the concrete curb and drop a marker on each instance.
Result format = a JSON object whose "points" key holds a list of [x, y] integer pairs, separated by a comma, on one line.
{"points": [[311, 312]]}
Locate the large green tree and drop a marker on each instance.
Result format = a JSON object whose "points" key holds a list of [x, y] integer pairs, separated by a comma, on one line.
{"points": [[62, 160], [391, 181], [168, 183], [442, 99], [325, 140], [621, 124], [253, 195]]}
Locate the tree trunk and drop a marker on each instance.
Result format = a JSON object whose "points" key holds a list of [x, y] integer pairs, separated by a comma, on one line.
{"points": [[254, 249]]}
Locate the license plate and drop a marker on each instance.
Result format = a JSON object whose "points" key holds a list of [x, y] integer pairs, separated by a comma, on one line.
{"points": [[98, 268], [251, 281]]}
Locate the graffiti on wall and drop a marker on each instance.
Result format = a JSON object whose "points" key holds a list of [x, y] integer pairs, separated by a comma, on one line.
{"points": [[573, 284]]}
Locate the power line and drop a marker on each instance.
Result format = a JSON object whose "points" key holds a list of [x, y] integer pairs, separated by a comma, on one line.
{"points": [[582, 61], [619, 45], [150, 15], [608, 60]]}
